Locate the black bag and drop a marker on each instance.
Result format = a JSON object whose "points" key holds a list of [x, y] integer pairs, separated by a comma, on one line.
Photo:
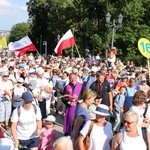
{"points": [[65, 101], [145, 137]]}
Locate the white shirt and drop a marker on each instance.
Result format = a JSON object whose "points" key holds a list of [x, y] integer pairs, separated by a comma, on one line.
{"points": [[41, 82], [17, 92], [132, 143], [26, 123], [13, 78], [5, 86], [28, 79], [99, 137]]}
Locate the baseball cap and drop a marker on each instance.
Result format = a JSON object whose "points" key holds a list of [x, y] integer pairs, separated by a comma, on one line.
{"points": [[27, 97]]}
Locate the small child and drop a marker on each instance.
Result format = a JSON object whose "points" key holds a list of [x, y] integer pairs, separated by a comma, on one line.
{"points": [[119, 108], [48, 134], [97, 101]]}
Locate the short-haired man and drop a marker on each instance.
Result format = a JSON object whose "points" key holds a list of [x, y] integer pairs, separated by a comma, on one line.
{"points": [[102, 88]]}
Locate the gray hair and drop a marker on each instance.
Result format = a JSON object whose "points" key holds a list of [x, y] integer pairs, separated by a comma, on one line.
{"points": [[63, 143], [132, 114]]}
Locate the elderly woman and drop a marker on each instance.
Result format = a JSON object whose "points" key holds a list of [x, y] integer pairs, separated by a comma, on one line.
{"points": [[130, 137], [101, 130]]}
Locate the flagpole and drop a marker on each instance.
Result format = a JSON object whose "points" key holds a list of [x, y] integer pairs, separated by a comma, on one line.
{"points": [[38, 52], [75, 47], [72, 46], [40, 43], [77, 51]]}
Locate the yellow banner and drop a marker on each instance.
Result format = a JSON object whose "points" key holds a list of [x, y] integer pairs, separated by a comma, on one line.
{"points": [[144, 47], [3, 42]]}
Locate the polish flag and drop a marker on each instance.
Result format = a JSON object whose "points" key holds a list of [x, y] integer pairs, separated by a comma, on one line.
{"points": [[66, 41], [22, 46]]}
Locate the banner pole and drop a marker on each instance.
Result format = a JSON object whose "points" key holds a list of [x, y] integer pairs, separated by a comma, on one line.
{"points": [[148, 64], [77, 51], [72, 46]]}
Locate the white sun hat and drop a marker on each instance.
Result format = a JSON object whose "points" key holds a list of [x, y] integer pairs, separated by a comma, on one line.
{"points": [[102, 110], [50, 118]]}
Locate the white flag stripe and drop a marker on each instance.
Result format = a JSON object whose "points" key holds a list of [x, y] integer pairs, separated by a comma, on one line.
{"points": [[19, 44], [66, 36]]}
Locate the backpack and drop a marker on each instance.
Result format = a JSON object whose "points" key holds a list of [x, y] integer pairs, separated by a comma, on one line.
{"points": [[144, 129], [19, 110]]}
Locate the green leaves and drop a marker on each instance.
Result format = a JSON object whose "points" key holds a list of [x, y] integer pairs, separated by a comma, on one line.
{"points": [[51, 18], [19, 31]]}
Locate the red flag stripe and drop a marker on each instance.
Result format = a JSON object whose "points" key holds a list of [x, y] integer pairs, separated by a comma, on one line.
{"points": [[30, 47], [65, 44]]}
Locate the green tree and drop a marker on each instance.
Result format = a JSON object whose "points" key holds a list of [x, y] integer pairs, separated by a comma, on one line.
{"points": [[18, 31], [51, 18]]}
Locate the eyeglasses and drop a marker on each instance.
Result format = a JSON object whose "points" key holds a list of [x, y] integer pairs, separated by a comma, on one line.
{"points": [[127, 122]]}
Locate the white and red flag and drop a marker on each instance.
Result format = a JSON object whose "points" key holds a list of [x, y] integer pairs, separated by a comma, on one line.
{"points": [[66, 41], [22, 46]]}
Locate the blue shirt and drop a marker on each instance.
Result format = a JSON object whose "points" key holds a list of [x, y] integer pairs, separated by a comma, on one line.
{"points": [[81, 111], [129, 95], [119, 100]]}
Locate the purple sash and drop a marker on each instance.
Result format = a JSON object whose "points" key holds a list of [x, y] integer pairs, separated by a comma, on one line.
{"points": [[72, 92], [69, 113]]}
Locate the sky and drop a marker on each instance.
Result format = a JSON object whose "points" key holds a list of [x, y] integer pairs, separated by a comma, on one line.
{"points": [[12, 12]]}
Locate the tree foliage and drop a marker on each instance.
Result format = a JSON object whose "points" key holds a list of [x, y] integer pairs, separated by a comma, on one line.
{"points": [[18, 31], [51, 18]]}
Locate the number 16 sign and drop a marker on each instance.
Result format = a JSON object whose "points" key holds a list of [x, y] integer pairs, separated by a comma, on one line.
{"points": [[144, 47]]}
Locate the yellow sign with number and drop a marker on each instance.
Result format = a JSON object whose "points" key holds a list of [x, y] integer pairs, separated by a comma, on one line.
{"points": [[144, 47]]}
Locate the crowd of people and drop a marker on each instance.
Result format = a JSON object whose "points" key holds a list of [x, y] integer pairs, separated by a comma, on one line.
{"points": [[105, 104]]}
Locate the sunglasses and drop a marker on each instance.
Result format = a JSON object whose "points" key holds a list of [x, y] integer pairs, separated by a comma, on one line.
{"points": [[5, 76], [127, 122]]}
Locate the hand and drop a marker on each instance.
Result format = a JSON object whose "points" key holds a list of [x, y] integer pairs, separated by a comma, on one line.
{"points": [[66, 95], [73, 97], [73, 104], [16, 143], [38, 132]]}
